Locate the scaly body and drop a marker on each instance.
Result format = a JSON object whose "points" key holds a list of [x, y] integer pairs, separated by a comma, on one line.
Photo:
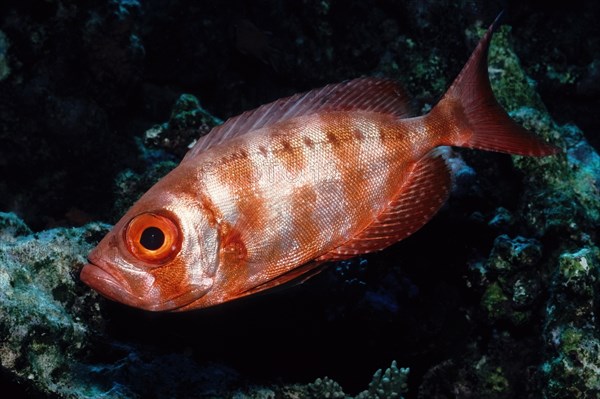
{"points": [[276, 186], [270, 195]]}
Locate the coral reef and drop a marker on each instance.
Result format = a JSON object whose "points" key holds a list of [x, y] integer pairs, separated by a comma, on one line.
{"points": [[160, 148], [47, 316], [188, 122], [571, 335], [512, 283], [390, 383], [50, 325], [558, 210], [495, 298]]}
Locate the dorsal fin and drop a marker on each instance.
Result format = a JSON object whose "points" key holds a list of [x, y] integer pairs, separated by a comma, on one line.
{"points": [[365, 94]]}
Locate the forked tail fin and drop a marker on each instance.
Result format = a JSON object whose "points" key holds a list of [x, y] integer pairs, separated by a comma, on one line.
{"points": [[479, 120]]}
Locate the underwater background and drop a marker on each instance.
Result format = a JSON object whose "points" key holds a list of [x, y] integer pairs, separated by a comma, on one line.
{"points": [[496, 297]]}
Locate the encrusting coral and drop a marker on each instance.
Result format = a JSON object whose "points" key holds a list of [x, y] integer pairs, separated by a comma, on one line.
{"points": [[47, 316], [531, 320]]}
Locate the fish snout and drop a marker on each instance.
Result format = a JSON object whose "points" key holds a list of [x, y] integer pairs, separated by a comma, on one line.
{"points": [[101, 280]]}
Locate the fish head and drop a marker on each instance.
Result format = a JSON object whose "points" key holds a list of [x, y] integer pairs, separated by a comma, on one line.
{"points": [[161, 255]]}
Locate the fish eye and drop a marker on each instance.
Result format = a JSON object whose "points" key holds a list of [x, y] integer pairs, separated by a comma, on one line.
{"points": [[153, 238]]}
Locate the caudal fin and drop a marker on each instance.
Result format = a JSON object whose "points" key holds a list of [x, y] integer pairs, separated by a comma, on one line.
{"points": [[481, 121]]}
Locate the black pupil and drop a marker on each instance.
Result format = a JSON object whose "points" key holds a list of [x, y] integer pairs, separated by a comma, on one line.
{"points": [[152, 238]]}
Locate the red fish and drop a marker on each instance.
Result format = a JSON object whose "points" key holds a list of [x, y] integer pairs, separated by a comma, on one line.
{"points": [[273, 193]]}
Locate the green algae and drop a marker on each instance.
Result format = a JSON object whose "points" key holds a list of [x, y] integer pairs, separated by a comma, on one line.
{"points": [[511, 86], [514, 285], [568, 76], [495, 302], [495, 382], [578, 273], [572, 366], [512, 254], [188, 114], [566, 184], [499, 306], [187, 123]]}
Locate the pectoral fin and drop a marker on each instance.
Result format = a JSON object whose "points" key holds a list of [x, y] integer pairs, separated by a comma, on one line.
{"points": [[419, 198], [293, 277]]}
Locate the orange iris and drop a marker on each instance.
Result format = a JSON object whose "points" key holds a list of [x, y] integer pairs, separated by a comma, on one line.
{"points": [[153, 238]]}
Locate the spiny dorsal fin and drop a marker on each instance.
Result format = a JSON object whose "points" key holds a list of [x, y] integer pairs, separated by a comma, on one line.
{"points": [[365, 94], [419, 198]]}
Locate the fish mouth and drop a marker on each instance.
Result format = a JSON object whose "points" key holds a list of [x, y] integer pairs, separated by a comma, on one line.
{"points": [[96, 274], [99, 279]]}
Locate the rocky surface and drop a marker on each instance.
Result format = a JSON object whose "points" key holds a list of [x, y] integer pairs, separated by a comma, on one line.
{"points": [[494, 298]]}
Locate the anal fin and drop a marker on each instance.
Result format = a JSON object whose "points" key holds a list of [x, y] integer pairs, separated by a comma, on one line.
{"points": [[420, 197]]}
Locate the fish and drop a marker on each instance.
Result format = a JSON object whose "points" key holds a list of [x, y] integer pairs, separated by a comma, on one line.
{"points": [[272, 195]]}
